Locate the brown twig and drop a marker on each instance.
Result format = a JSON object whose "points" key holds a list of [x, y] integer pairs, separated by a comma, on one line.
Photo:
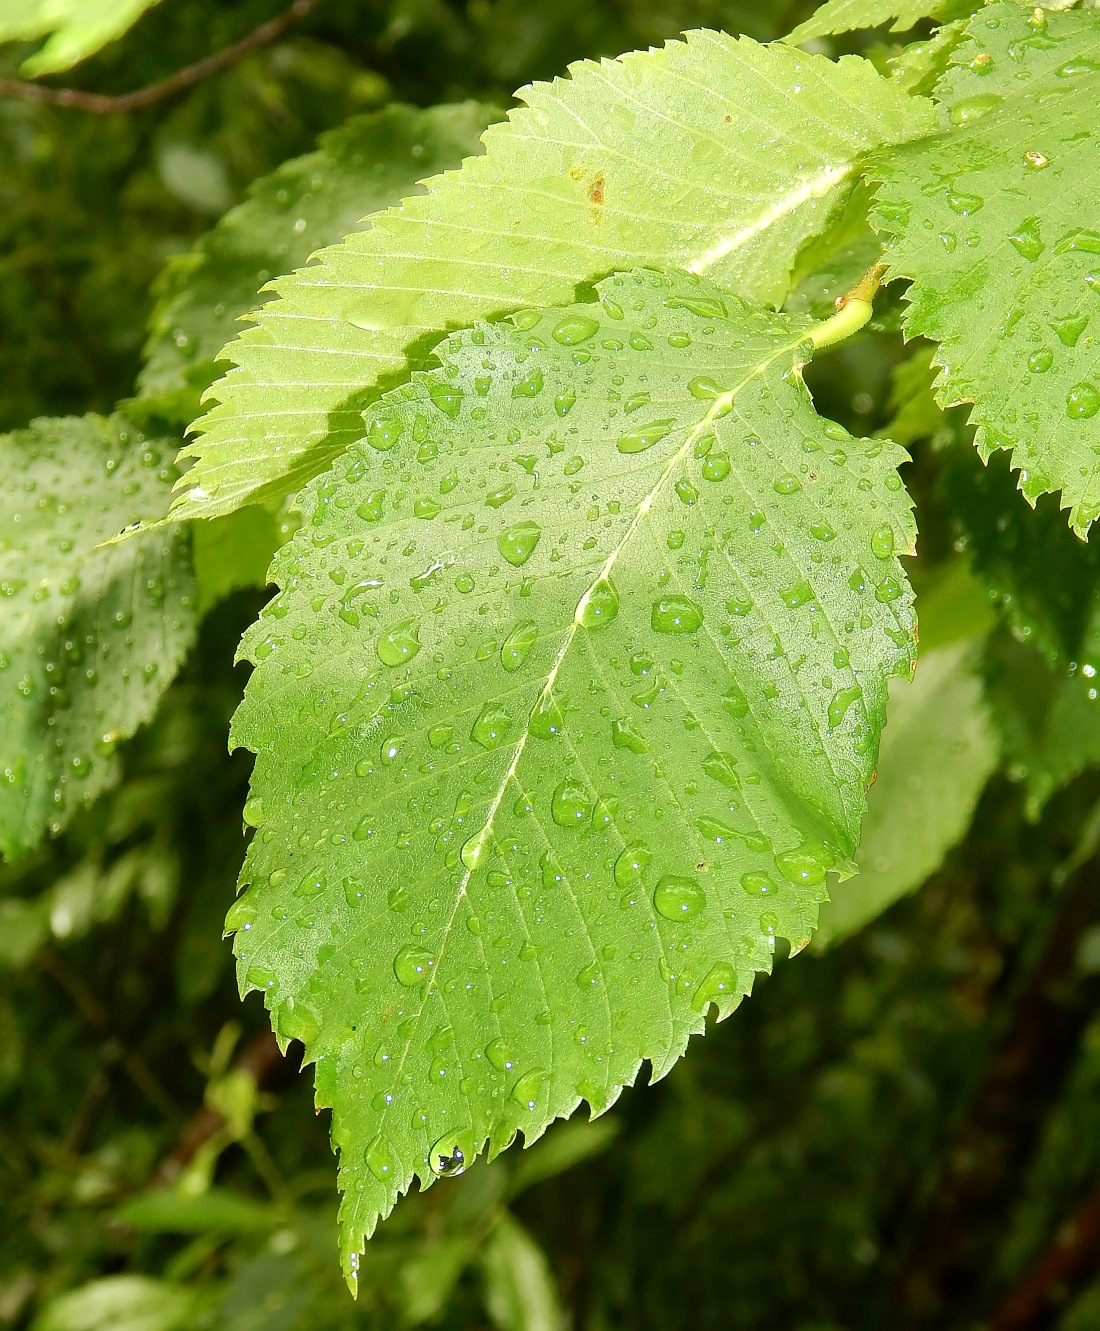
{"points": [[268, 1068], [180, 81], [1068, 1264]]}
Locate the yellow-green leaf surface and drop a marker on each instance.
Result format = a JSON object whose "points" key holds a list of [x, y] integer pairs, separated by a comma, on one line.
{"points": [[714, 154], [997, 223], [844, 15], [566, 707], [89, 637], [75, 29], [938, 750], [369, 163]]}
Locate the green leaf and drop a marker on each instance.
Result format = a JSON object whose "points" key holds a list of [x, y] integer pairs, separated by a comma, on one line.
{"points": [[76, 28], [519, 1288], [995, 223], [714, 154], [1048, 714], [567, 706], [1045, 582], [844, 15], [311, 201], [89, 637], [938, 750]]}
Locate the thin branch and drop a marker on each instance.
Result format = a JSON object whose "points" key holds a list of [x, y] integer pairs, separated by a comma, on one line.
{"points": [[1059, 1275], [183, 79]]}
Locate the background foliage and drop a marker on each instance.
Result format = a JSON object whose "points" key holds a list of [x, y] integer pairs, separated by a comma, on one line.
{"points": [[900, 1129]]}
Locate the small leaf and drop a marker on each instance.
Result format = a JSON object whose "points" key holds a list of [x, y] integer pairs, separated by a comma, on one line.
{"points": [[498, 906], [89, 637], [995, 223], [714, 154], [76, 29]]}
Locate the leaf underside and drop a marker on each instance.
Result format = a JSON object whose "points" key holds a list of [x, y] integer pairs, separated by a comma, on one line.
{"points": [[845, 15], [568, 704], [996, 223], [713, 154], [89, 638]]}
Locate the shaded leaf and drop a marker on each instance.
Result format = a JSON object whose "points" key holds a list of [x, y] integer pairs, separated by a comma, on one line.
{"points": [[714, 154], [89, 638], [566, 708], [370, 162]]}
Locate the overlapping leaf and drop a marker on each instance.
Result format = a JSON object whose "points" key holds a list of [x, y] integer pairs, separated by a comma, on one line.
{"points": [[997, 224], [75, 29], [89, 638], [938, 750], [844, 15], [369, 163], [567, 706], [714, 154]]}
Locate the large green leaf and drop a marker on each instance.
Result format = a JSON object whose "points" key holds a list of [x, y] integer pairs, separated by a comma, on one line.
{"points": [[369, 163], [844, 15], [713, 154], [567, 706], [938, 750], [997, 224], [76, 28], [89, 637]]}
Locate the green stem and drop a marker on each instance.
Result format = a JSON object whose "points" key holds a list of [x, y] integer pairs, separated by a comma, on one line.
{"points": [[853, 311]]}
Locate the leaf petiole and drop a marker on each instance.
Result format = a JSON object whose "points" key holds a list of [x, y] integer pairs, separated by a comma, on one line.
{"points": [[853, 311]]}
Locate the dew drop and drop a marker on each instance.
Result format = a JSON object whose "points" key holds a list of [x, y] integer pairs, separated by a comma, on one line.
{"points": [[570, 805], [758, 884], [447, 1158], [802, 867], [625, 736], [882, 542], [399, 644], [517, 543], [384, 432], [630, 866], [645, 436], [716, 467], [1082, 401], [447, 397], [964, 204], [413, 965], [677, 898], [676, 614], [889, 589], [1040, 361], [490, 730], [973, 108], [705, 388], [719, 766], [382, 1160], [529, 1087], [530, 385], [1027, 241], [599, 605], [839, 704], [719, 982], [787, 485], [518, 644], [574, 329]]}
